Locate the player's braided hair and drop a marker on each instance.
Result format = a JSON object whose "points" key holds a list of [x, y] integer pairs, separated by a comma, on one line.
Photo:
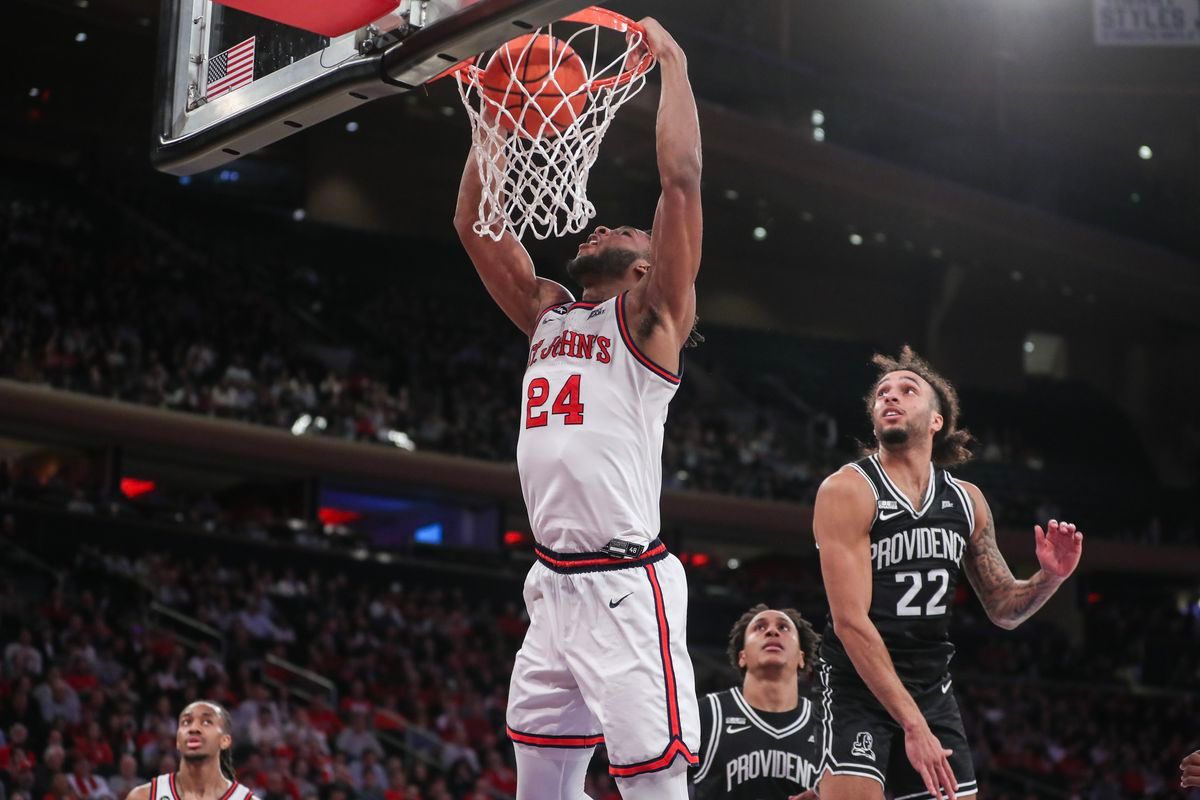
{"points": [[810, 640], [952, 444]]}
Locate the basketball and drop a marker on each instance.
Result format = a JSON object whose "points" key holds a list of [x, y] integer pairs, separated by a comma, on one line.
{"points": [[536, 70]]}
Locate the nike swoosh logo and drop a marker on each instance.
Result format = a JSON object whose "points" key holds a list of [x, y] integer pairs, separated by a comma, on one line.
{"points": [[946, 686], [737, 730], [885, 517], [615, 603]]}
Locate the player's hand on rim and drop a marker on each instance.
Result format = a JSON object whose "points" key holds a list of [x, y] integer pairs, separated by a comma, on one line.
{"points": [[660, 43], [931, 761], [1189, 770], [1058, 548]]}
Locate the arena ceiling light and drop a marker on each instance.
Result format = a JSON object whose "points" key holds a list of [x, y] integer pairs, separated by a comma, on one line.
{"points": [[1145, 153]]}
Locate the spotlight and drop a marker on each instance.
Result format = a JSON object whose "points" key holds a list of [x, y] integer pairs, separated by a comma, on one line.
{"points": [[351, 126], [1028, 346], [81, 37], [819, 134], [1145, 153], [818, 117], [760, 233], [298, 215], [855, 239]]}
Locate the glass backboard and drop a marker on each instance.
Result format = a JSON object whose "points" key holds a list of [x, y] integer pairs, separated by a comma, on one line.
{"points": [[231, 82]]}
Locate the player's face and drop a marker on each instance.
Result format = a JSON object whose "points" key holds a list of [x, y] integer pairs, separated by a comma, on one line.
{"points": [[905, 409], [200, 735], [622, 238], [772, 641]]}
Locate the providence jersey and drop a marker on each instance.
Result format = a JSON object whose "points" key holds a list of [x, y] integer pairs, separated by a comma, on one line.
{"points": [[916, 559], [747, 754], [592, 416]]}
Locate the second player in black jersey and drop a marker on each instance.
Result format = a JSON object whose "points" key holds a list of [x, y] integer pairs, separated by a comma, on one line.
{"points": [[895, 531], [760, 740]]}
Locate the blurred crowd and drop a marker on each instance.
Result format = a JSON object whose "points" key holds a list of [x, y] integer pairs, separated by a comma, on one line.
{"points": [[101, 305], [91, 688], [93, 312], [347, 689]]}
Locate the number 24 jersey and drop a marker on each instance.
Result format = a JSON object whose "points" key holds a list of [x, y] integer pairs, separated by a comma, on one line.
{"points": [[592, 416]]}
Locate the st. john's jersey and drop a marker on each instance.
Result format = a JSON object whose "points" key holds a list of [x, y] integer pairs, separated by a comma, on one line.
{"points": [[163, 788], [916, 561], [748, 754], [592, 416]]}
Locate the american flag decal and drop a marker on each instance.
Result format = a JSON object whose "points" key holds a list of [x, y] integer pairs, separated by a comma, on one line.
{"points": [[230, 70]]}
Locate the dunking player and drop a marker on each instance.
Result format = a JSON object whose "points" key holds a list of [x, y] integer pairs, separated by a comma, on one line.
{"points": [[894, 530], [760, 741], [206, 768], [605, 657]]}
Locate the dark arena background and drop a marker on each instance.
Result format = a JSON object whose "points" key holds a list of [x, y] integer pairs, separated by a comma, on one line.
{"points": [[257, 425]]}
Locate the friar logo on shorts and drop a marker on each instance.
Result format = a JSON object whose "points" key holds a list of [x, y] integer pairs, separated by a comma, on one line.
{"points": [[863, 746]]}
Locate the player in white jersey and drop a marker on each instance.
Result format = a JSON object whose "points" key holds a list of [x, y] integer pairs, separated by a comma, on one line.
{"points": [[604, 659], [206, 768]]}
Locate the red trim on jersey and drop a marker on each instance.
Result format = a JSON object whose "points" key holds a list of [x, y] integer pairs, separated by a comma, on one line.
{"points": [[171, 783], [554, 741], [154, 788], [676, 748], [233, 785], [599, 560], [642, 358]]}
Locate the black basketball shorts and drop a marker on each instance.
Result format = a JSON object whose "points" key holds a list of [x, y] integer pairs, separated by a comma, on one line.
{"points": [[859, 737]]}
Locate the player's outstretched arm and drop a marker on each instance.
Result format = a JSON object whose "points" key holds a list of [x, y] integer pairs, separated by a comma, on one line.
{"points": [[505, 266], [1008, 601], [668, 292], [842, 516]]}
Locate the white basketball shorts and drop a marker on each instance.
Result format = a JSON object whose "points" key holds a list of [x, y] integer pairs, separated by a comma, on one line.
{"points": [[605, 660]]}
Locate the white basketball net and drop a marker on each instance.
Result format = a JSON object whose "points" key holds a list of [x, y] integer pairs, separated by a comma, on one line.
{"points": [[535, 172]]}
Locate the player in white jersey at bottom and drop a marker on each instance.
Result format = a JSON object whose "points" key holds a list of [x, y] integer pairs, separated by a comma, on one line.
{"points": [[205, 747], [605, 658], [760, 741]]}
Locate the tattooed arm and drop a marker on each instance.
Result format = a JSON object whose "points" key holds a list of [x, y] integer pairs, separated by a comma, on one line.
{"points": [[1009, 601]]}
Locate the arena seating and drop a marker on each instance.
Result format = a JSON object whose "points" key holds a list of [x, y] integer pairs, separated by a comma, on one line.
{"points": [[108, 299], [323, 659]]}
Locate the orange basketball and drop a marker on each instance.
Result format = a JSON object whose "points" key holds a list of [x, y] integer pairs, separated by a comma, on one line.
{"points": [[550, 71]]}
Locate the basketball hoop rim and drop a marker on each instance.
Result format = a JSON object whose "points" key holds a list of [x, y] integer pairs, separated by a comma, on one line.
{"points": [[592, 15]]}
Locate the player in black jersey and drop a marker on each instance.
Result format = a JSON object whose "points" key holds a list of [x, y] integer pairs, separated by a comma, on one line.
{"points": [[894, 532], [760, 741]]}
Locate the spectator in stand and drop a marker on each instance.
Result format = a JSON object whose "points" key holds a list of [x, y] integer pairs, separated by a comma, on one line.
{"points": [[357, 701], [264, 732], [95, 748], [22, 658], [357, 739], [323, 718], [54, 759], [84, 784], [126, 778], [367, 766], [204, 664], [57, 699]]}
